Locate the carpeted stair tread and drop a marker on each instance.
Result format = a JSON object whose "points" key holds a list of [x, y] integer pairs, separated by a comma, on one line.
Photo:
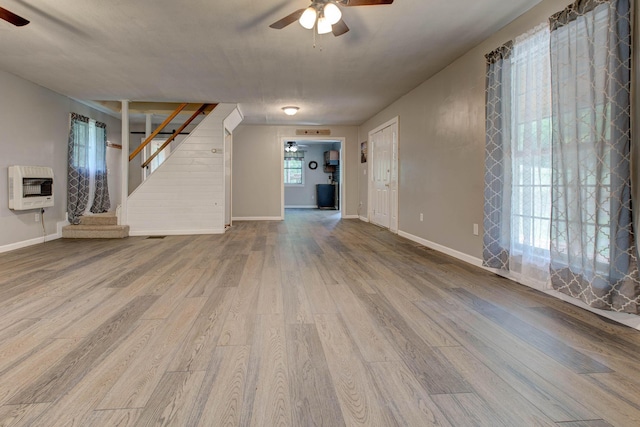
{"points": [[107, 218], [83, 231]]}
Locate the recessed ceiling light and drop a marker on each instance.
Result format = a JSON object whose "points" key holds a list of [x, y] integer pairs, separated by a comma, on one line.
{"points": [[290, 111]]}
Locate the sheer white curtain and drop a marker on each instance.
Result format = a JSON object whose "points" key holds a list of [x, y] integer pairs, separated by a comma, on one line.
{"points": [[91, 163], [531, 157]]}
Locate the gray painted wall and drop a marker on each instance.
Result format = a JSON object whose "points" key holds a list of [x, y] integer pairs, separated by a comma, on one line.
{"points": [[257, 169], [35, 129], [441, 144], [306, 195]]}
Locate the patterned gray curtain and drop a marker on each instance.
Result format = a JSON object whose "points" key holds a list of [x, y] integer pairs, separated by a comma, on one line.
{"points": [[101, 201], [593, 252], [78, 168], [497, 187]]}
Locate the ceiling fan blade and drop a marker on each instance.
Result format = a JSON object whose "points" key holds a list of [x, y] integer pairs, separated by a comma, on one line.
{"points": [[339, 28], [289, 19], [12, 18], [367, 2]]}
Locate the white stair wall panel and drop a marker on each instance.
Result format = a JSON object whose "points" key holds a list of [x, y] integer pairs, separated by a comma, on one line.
{"points": [[185, 195]]}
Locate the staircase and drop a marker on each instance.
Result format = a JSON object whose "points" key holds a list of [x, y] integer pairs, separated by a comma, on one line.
{"points": [[98, 226], [186, 194]]}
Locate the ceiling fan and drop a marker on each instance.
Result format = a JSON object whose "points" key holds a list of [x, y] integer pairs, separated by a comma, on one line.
{"points": [[292, 146], [325, 15], [12, 18]]}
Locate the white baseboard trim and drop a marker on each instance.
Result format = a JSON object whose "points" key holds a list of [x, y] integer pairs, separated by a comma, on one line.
{"points": [[60, 225], [350, 216], [630, 320], [36, 241], [257, 218], [440, 248], [302, 207], [175, 232], [365, 219]]}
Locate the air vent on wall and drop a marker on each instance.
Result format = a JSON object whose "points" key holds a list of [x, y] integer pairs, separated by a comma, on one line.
{"points": [[313, 132]]}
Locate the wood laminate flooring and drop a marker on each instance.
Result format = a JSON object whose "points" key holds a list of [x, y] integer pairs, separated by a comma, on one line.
{"points": [[311, 321]]}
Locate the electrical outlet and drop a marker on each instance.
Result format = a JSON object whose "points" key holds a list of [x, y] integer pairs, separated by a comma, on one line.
{"points": [[475, 230], [37, 218], [421, 217]]}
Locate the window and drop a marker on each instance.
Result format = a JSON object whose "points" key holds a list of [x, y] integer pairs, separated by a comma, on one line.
{"points": [[87, 189], [531, 147], [584, 128], [294, 169], [150, 149], [558, 160], [519, 182], [84, 135], [88, 136]]}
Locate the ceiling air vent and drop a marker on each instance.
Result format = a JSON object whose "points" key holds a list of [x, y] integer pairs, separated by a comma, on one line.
{"points": [[313, 131]]}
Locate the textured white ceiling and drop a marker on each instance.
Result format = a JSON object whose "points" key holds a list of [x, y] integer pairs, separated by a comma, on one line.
{"points": [[224, 51]]}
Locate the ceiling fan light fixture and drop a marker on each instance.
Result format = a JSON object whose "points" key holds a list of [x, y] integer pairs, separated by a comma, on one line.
{"points": [[324, 26], [291, 110], [291, 147], [308, 18], [332, 13]]}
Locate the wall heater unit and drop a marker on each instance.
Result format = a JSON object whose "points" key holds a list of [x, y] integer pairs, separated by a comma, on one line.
{"points": [[30, 187]]}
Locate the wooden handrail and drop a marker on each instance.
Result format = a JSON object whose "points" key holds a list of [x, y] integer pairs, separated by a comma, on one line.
{"points": [[176, 133], [157, 131]]}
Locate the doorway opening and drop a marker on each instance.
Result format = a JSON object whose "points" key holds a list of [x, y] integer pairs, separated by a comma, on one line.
{"points": [[312, 174]]}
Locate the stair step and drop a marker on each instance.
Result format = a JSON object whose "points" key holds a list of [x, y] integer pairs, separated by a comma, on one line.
{"points": [[107, 218], [95, 231]]}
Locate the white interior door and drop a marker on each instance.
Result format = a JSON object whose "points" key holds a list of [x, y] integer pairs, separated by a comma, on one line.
{"points": [[381, 178]]}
